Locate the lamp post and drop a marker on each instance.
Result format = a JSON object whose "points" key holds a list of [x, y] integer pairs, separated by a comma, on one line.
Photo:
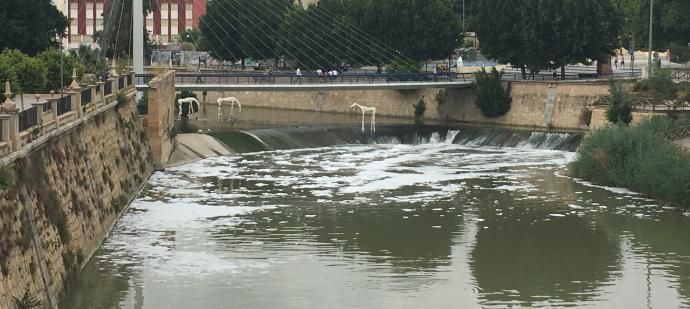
{"points": [[54, 37], [632, 54], [651, 19]]}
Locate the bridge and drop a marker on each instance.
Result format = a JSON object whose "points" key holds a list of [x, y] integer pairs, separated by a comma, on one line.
{"points": [[282, 81]]}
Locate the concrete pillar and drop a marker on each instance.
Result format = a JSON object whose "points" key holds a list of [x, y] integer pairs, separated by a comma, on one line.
{"points": [[101, 90], [9, 108], [114, 85], [75, 92], [5, 123], [53, 106]]}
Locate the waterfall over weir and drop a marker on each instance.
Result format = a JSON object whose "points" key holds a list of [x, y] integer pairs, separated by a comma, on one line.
{"points": [[310, 137]]}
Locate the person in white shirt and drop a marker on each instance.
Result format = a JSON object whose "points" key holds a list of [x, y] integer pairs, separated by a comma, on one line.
{"points": [[298, 73]]}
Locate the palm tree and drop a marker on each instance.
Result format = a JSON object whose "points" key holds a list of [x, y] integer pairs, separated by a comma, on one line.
{"points": [[92, 58]]}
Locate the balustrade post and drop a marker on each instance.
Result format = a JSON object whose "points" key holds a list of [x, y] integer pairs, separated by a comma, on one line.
{"points": [[53, 106], [38, 105], [114, 85], [11, 117], [75, 92], [93, 94], [101, 89]]}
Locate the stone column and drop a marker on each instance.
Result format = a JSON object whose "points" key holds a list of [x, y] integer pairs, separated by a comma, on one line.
{"points": [[39, 112], [75, 92], [9, 108], [114, 85], [53, 108], [101, 90], [94, 93]]}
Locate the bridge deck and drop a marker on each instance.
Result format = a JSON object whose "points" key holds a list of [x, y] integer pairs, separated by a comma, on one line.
{"points": [[318, 87]]}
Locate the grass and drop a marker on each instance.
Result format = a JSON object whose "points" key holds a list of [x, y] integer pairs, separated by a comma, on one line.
{"points": [[639, 158]]}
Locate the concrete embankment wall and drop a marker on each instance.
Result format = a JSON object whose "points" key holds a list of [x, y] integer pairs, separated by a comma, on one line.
{"points": [[558, 105], [60, 200]]}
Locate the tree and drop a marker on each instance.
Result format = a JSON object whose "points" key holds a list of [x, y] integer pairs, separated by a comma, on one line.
{"points": [[541, 34], [24, 24], [491, 99], [195, 37], [416, 29], [116, 36], [620, 109], [31, 72], [51, 59], [239, 29], [92, 59], [671, 23]]}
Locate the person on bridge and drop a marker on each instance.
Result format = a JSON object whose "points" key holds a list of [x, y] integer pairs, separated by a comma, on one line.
{"points": [[298, 73]]}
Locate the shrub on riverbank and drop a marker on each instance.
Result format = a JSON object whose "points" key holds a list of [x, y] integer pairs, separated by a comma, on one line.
{"points": [[636, 157], [492, 99]]}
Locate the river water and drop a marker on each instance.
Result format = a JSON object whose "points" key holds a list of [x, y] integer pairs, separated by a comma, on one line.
{"points": [[430, 225]]}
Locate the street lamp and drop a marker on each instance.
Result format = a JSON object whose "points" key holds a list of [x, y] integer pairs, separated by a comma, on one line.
{"points": [[651, 18], [54, 38], [632, 54]]}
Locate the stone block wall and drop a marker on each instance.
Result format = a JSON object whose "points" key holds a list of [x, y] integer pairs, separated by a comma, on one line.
{"points": [[59, 201], [161, 117], [555, 105], [559, 105]]}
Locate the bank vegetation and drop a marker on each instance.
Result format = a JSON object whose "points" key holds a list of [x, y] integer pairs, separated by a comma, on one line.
{"points": [[638, 157]]}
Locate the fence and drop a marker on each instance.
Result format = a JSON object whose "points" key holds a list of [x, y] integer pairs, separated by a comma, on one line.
{"points": [[121, 83], [64, 105], [108, 88], [86, 96], [28, 118], [66, 114]]}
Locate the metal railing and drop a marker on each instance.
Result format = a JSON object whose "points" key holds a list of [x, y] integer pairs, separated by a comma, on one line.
{"points": [[120, 83], [249, 78], [64, 105], [129, 79], [86, 96], [108, 88], [47, 107], [681, 75], [28, 118]]}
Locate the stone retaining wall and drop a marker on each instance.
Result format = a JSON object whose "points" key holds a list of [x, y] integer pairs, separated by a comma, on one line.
{"points": [[60, 198], [557, 105]]}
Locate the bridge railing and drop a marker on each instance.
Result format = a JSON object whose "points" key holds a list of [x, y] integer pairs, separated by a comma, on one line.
{"points": [[55, 112], [251, 78]]}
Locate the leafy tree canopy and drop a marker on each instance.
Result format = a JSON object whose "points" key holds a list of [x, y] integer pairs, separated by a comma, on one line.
{"points": [[239, 29], [25, 24], [540, 34], [671, 23], [51, 59]]}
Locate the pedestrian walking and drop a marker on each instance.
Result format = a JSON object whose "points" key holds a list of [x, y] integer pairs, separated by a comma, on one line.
{"points": [[615, 61], [622, 61]]}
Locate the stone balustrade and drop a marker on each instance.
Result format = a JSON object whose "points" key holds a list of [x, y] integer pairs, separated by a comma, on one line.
{"points": [[20, 128]]}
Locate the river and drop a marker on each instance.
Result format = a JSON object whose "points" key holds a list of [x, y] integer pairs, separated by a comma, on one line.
{"points": [[389, 225]]}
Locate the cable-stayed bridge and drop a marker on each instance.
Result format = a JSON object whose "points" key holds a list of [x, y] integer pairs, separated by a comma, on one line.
{"points": [[245, 81]]}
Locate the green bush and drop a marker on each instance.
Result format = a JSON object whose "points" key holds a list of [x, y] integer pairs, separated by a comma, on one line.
{"points": [[636, 157], [51, 59], [620, 108], [27, 301], [660, 85], [492, 99]]}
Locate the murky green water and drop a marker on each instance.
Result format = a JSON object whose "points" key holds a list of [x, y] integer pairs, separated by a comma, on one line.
{"points": [[434, 225]]}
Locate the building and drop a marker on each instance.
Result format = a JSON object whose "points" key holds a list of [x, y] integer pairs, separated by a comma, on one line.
{"points": [[169, 19]]}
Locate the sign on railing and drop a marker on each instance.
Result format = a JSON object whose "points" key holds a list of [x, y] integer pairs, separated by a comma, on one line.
{"points": [[28, 118], [64, 105], [86, 96]]}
